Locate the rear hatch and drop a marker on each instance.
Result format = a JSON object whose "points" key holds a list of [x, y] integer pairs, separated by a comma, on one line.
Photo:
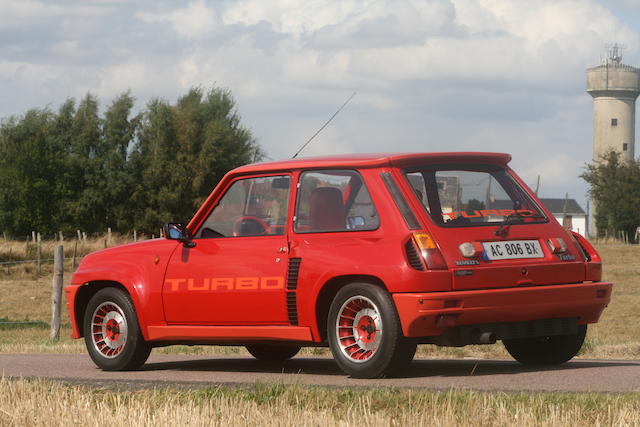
{"points": [[491, 231]]}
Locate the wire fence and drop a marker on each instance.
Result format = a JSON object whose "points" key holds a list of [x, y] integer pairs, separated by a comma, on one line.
{"points": [[33, 261], [18, 324], [56, 294]]}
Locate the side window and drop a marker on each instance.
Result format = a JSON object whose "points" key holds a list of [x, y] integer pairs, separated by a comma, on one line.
{"points": [[334, 200], [250, 207]]}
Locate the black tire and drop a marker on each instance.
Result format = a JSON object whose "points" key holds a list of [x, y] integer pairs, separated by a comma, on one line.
{"points": [[273, 353], [116, 343], [546, 351], [381, 349]]}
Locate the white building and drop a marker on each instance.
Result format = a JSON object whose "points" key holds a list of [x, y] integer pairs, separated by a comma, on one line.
{"points": [[568, 213]]}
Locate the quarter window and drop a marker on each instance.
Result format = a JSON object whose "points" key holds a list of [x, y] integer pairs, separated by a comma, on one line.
{"points": [[250, 207], [334, 201]]}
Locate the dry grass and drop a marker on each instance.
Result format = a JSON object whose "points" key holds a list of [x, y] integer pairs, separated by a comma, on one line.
{"points": [[27, 403], [25, 295], [617, 335], [17, 251]]}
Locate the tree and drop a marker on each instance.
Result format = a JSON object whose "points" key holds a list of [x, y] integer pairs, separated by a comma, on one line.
{"points": [[84, 167], [29, 168], [184, 150], [119, 134], [615, 191], [76, 169]]}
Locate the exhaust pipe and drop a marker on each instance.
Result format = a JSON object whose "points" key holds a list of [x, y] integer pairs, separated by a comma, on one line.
{"points": [[487, 338], [479, 337]]}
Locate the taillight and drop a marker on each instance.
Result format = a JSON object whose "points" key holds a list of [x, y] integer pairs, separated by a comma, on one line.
{"points": [[429, 251], [557, 245]]}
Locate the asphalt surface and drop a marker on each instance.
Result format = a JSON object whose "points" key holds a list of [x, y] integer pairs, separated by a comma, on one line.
{"points": [[203, 371]]}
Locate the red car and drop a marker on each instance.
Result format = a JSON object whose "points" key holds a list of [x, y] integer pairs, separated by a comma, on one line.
{"points": [[367, 254]]}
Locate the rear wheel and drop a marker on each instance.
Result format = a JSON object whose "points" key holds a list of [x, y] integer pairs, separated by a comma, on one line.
{"points": [[273, 353], [364, 333], [111, 332], [552, 350]]}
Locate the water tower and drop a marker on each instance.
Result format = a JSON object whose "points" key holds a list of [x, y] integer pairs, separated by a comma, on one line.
{"points": [[614, 87]]}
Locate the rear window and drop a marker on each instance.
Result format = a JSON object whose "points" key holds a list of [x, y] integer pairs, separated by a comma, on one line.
{"points": [[472, 195]]}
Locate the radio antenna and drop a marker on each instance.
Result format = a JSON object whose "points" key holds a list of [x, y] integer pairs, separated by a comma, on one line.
{"points": [[324, 125]]}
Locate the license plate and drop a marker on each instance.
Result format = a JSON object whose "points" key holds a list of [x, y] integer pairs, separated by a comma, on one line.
{"points": [[512, 249]]}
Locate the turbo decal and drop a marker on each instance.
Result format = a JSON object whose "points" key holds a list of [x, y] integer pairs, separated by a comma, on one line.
{"points": [[488, 212], [225, 284]]}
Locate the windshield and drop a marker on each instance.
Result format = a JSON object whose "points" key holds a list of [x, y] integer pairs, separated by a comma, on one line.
{"points": [[472, 196]]}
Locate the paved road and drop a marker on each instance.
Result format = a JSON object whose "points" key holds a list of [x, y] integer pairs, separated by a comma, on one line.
{"points": [[201, 371]]}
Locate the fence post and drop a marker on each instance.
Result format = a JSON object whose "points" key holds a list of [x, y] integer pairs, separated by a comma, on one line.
{"points": [[79, 235], [135, 235], [109, 236], [9, 260], [75, 251], [39, 252], [56, 295]]}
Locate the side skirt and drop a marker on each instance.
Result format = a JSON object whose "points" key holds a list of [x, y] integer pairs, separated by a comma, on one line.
{"points": [[229, 333]]}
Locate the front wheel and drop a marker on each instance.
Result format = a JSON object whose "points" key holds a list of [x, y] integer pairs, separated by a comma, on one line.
{"points": [[364, 333], [540, 351], [111, 332]]}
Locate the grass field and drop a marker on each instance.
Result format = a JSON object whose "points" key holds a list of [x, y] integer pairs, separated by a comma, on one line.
{"points": [[26, 295], [24, 402]]}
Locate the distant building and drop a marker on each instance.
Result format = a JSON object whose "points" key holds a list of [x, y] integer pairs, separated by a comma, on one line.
{"points": [[566, 211], [614, 87]]}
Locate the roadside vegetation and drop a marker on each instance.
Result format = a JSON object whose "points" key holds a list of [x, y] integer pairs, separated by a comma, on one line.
{"points": [[26, 297], [614, 181], [37, 402], [89, 166]]}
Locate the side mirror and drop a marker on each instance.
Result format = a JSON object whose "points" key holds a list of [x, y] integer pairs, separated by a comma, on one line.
{"points": [[175, 231]]}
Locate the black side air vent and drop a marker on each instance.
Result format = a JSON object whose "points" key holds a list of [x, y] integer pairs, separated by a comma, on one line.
{"points": [[292, 273], [292, 285], [292, 308], [413, 256]]}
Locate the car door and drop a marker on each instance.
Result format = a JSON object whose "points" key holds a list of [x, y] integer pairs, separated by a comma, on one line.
{"points": [[236, 272]]}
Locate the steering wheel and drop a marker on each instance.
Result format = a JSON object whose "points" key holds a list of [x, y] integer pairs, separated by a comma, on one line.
{"points": [[250, 226]]}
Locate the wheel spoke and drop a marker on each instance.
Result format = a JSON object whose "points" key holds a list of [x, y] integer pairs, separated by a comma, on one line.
{"points": [[360, 315], [109, 329]]}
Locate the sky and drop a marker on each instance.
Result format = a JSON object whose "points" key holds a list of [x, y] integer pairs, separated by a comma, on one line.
{"points": [[429, 75]]}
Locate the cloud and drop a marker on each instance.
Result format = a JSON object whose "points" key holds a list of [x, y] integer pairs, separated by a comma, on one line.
{"points": [[627, 4], [194, 21], [431, 75]]}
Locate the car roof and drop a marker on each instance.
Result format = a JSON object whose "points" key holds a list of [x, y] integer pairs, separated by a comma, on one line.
{"points": [[375, 160]]}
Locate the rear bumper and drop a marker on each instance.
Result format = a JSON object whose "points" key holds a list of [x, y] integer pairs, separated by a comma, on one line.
{"points": [[431, 314]]}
